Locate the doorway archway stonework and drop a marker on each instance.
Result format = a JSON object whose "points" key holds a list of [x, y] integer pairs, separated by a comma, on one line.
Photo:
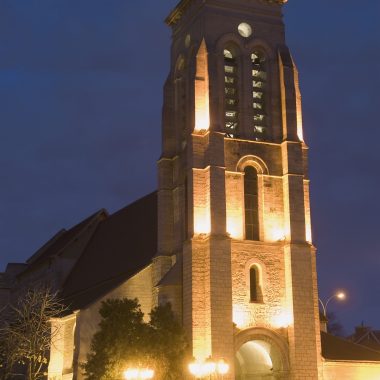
{"points": [[261, 354]]}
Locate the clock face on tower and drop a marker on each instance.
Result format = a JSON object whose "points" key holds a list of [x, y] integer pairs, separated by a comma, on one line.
{"points": [[245, 30]]}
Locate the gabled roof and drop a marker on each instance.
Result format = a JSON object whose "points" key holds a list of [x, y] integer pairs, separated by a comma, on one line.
{"points": [[123, 244], [62, 238], [366, 336], [339, 349]]}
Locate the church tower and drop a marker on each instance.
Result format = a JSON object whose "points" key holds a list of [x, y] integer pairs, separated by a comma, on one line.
{"points": [[234, 192]]}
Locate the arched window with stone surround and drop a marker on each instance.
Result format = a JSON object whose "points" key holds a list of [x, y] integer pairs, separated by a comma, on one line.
{"points": [[231, 94], [255, 293], [259, 126], [251, 203]]}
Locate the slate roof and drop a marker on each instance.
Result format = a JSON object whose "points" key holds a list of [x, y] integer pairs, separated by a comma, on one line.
{"points": [[339, 349], [123, 244], [61, 239]]}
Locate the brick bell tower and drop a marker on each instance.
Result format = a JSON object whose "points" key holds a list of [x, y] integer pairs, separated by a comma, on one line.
{"points": [[234, 191]]}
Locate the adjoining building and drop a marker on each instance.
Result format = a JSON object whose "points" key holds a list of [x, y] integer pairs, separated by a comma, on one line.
{"points": [[227, 236]]}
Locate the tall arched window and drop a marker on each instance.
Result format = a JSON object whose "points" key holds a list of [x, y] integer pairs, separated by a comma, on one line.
{"points": [[231, 94], [259, 79], [251, 203], [254, 284]]}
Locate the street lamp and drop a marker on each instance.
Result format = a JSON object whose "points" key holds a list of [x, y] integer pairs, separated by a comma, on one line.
{"points": [[138, 374], [209, 368], [338, 295]]}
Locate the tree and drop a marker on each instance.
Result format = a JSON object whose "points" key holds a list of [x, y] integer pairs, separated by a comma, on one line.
{"points": [[26, 333], [124, 340], [334, 327], [169, 342]]}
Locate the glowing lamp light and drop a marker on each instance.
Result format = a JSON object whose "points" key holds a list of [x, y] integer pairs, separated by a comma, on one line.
{"points": [[201, 369], [341, 295], [195, 369], [138, 374], [222, 367]]}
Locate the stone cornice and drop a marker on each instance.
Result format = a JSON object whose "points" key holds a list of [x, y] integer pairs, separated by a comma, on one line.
{"points": [[178, 12]]}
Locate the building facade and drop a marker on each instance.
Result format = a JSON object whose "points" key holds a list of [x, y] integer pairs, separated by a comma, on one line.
{"points": [[233, 175], [227, 237]]}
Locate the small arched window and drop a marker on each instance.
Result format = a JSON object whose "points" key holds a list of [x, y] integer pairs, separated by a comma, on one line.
{"points": [[231, 98], [259, 84], [251, 204], [254, 284]]}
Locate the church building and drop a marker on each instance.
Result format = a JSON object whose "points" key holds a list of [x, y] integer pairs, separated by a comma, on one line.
{"points": [[226, 238]]}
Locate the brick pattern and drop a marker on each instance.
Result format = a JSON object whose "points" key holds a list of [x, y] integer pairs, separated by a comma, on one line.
{"points": [[271, 262]]}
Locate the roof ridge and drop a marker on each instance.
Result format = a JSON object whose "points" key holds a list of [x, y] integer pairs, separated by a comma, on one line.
{"points": [[356, 344], [90, 220], [48, 244], [82, 224]]}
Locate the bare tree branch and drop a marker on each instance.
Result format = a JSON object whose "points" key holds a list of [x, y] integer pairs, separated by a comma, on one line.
{"points": [[26, 333]]}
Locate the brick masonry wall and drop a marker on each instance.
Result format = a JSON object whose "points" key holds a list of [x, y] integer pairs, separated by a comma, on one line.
{"points": [[270, 259]]}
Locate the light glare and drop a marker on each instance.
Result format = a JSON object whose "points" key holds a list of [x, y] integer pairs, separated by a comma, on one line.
{"points": [[341, 295], [138, 374]]}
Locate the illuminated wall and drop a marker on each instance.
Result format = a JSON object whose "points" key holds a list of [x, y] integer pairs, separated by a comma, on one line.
{"points": [[309, 237], [235, 204], [273, 312], [201, 201], [350, 370], [62, 348], [202, 103]]}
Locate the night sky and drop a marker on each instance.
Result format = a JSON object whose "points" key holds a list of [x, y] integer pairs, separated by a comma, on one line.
{"points": [[80, 103]]}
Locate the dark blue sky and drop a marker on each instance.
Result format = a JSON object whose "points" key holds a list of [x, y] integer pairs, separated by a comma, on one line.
{"points": [[80, 102]]}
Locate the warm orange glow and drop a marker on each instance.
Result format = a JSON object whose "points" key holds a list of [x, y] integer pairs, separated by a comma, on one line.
{"points": [[234, 227], [138, 374], [240, 316], [202, 213], [202, 101], [283, 319], [202, 222], [201, 369], [309, 237], [276, 234], [222, 367], [298, 106], [235, 205]]}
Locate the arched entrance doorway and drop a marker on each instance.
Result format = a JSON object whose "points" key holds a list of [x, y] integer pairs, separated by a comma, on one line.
{"points": [[261, 354]]}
